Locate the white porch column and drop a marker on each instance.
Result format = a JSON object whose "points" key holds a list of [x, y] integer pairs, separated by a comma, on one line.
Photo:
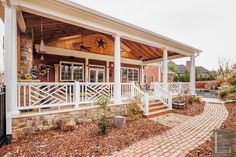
{"points": [[10, 65], [142, 74], [117, 84], [192, 75], [86, 70], [165, 68], [108, 68], [159, 72]]}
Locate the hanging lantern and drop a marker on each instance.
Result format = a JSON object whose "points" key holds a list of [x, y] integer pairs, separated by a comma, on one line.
{"points": [[42, 58], [42, 46]]}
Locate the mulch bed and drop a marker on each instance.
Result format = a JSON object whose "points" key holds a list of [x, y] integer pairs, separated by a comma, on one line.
{"points": [[191, 109], [84, 141], [206, 149]]}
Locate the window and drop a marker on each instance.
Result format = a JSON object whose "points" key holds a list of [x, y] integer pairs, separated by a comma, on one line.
{"points": [[152, 78], [145, 77], [129, 74], [71, 71]]}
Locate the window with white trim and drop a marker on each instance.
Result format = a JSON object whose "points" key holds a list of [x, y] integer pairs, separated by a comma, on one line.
{"points": [[129, 74], [152, 78], [145, 76], [70, 71]]}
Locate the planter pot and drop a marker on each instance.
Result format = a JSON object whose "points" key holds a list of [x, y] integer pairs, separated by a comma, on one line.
{"points": [[178, 104]]}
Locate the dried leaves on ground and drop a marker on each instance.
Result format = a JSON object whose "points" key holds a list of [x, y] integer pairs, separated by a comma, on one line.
{"points": [[190, 109], [84, 141], [206, 149]]}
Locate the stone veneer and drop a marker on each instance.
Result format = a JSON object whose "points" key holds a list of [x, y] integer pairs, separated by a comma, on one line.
{"points": [[26, 54], [22, 126]]}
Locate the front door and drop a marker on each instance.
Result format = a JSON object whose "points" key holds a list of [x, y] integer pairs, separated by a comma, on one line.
{"points": [[96, 73]]}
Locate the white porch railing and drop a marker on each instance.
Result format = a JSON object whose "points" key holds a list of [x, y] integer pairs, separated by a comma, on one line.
{"points": [[90, 92], [45, 95], [177, 87], [42, 95], [163, 95], [126, 90]]}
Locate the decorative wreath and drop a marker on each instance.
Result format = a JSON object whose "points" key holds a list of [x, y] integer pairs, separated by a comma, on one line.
{"points": [[41, 70]]}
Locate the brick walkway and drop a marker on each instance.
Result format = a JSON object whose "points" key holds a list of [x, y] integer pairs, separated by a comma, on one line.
{"points": [[179, 140]]}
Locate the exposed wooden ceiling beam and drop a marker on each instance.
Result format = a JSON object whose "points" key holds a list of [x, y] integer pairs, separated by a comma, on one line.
{"points": [[146, 50], [156, 51], [21, 21], [137, 50], [131, 51]]}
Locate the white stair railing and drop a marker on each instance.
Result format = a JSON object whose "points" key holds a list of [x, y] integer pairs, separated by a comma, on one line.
{"points": [[163, 95], [136, 91]]}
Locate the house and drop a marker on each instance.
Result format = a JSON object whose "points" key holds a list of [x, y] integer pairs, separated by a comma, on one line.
{"points": [[153, 73], [201, 71], [62, 57], [181, 69]]}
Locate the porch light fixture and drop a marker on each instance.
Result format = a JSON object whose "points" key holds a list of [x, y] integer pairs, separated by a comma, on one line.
{"points": [[42, 46], [42, 58]]}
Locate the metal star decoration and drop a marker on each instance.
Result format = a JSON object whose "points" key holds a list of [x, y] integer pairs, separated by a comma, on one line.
{"points": [[101, 43]]}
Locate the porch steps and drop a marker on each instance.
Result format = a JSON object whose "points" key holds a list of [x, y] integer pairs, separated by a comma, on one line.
{"points": [[158, 113], [157, 108]]}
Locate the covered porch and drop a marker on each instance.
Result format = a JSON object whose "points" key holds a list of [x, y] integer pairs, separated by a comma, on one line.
{"points": [[86, 55]]}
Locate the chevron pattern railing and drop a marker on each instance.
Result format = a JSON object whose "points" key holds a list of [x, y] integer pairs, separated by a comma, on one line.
{"points": [[41, 95]]}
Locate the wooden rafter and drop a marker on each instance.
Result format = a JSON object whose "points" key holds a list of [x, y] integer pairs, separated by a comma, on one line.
{"points": [[134, 49]]}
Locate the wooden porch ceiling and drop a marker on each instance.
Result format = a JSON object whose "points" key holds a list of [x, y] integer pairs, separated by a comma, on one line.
{"points": [[53, 30]]}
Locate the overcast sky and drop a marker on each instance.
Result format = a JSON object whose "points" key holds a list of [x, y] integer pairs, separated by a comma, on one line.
{"points": [[209, 25]]}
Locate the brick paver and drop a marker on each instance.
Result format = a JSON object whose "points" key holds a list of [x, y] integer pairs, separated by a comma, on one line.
{"points": [[178, 141]]}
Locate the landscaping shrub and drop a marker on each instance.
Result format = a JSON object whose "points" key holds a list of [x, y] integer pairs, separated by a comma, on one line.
{"points": [[232, 89], [103, 123], [232, 80], [234, 96], [223, 93], [197, 99], [103, 126], [134, 108], [103, 102]]}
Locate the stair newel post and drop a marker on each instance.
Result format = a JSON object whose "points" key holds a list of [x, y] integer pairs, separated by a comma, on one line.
{"points": [[155, 89], [146, 103], [77, 94], [170, 101], [180, 87], [132, 89]]}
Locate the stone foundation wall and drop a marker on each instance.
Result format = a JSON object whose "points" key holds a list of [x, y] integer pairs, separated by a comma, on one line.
{"points": [[23, 126]]}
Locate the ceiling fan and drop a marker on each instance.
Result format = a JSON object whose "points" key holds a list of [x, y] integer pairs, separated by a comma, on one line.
{"points": [[81, 45]]}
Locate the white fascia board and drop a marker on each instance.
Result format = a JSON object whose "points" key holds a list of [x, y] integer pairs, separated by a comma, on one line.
{"points": [[63, 11], [86, 55]]}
